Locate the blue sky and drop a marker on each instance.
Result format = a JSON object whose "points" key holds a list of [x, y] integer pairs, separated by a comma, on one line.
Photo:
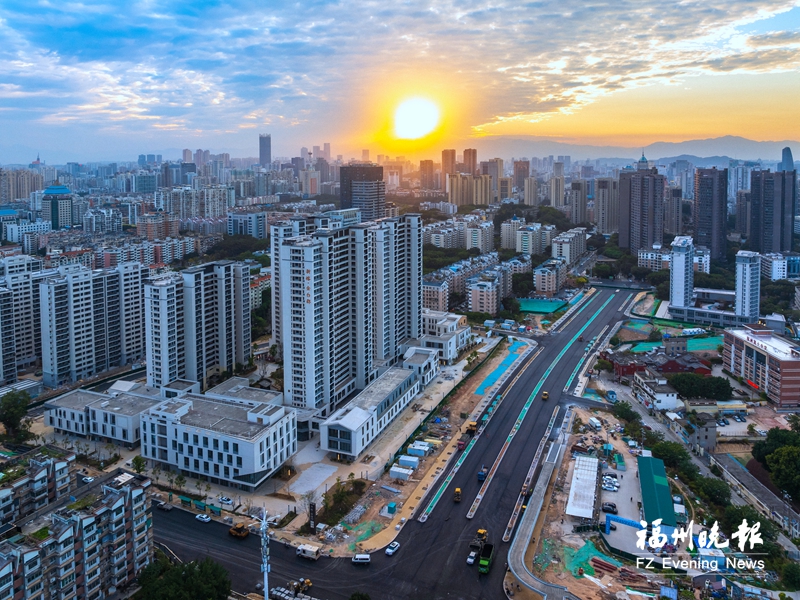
{"points": [[93, 80]]}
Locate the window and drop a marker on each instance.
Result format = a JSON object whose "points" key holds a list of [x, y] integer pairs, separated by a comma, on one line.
{"points": [[224, 446], [235, 448]]}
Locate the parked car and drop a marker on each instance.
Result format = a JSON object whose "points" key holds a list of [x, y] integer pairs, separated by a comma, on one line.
{"points": [[392, 548], [471, 558], [225, 500], [609, 507], [609, 488], [726, 421], [610, 474], [88, 479], [203, 518]]}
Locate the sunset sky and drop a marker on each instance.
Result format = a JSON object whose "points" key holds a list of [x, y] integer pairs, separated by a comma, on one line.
{"points": [[109, 80]]}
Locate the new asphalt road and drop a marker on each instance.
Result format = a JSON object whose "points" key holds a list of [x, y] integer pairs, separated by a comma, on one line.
{"points": [[431, 562]]}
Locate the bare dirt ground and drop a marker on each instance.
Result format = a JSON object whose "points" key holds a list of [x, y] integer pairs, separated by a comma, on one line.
{"points": [[628, 335], [644, 306]]}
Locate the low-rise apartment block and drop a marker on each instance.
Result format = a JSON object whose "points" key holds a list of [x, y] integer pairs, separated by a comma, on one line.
{"points": [[446, 333], [570, 245], [34, 480], [652, 390], [658, 259], [550, 276], [86, 549]]}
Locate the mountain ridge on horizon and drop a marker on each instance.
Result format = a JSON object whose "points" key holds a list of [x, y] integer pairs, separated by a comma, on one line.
{"points": [[708, 150]]}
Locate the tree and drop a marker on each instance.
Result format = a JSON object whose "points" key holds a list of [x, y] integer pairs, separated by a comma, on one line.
{"points": [[604, 365], [623, 410], [784, 466], [715, 491], [138, 464], [692, 385], [794, 421], [776, 438], [307, 499], [751, 429], [521, 284], [13, 410], [640, 273], [791, 574], [672, 453], [351, 480], [180, 481], [156, 472], [189, 581]]}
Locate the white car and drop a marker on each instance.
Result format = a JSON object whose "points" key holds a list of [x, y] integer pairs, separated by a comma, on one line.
{"points": [[392, 548], [225, 500], [203, 518], [471, 558], [88, 479]]}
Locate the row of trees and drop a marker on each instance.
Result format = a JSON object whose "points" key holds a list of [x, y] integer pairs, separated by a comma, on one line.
{"points": [[779, 453], [692, 385]]}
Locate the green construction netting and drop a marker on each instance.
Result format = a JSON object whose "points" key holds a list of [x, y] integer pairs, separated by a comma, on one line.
{"points": [[576, 559]]}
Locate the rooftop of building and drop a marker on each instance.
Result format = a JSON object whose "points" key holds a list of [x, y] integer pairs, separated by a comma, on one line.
{"points": [[358, 410], [76, 399], [656, 496], [223, 416], [774, 345], [682, 241], [125, 404], [239, 388]]}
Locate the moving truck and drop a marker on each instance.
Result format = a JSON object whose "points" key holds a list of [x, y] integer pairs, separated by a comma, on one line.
{"points": [[308, 551]]}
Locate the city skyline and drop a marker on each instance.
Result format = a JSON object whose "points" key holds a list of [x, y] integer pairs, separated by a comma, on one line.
{"points": [[80, 85]]}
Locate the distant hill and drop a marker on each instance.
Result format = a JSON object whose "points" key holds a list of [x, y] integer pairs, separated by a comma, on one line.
{"points": [[708, 152]]}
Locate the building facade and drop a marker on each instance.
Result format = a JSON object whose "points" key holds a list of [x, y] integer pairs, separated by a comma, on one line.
{"points": [[766, 362]]}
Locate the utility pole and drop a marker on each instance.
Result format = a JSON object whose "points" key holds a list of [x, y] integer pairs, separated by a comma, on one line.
{"points": [[265, 551]]}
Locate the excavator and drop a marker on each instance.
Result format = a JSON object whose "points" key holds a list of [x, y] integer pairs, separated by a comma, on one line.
{"points": [[299, 586]]}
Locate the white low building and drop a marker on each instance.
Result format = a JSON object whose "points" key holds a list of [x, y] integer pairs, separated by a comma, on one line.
{"points": [[234, 435], [349, 430], [654, 392]]}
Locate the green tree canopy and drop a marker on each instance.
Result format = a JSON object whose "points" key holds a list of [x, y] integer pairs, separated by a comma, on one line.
{"points": [[715, 490], [776, 438], [692, 385], [13, 410], [623, 410], [784, 466], [206, 580], [138, 464]]}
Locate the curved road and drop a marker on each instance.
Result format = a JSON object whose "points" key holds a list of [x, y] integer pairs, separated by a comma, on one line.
{"points": [[431, 563]]}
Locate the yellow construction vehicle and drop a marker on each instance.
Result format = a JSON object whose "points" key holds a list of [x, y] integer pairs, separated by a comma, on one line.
{"points": [[239, 530]]}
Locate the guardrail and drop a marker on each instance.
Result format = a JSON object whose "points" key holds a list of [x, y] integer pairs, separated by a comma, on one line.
{"points": [[526, 486]]}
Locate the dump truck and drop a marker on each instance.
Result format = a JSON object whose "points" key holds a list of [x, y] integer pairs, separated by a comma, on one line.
{"points": [[462, 443], [457, 495], [309, 551], [487, 554], [478, 541], [483, 473], [239, 530], [472, 427]]}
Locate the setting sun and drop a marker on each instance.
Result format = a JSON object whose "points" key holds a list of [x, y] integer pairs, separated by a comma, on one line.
{"points": [[415, 118]]}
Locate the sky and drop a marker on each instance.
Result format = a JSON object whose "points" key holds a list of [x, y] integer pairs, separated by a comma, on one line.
{"points": [[103, 80]]}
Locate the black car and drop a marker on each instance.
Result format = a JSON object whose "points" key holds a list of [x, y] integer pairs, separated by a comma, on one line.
{"points": [[610, 507]]}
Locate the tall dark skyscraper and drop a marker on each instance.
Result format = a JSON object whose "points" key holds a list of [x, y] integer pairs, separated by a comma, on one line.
{"points": [[351, 196], [522, 170], [773, 203], [426, 174], [471, 161], [264, 149], [641, 207], [787, 162], [711, 210], [448, 166]]}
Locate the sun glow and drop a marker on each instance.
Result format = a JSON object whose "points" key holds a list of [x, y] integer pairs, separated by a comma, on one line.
{"points": [[415, 118]]}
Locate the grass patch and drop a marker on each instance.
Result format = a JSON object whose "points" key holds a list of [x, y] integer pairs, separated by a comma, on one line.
{"points": [[286, 520], [84, 502], [41, 534]]}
